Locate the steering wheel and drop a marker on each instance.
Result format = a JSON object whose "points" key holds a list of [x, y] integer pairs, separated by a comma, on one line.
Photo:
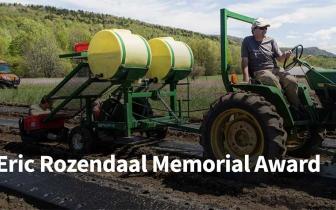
{"points": [[297, 52]]}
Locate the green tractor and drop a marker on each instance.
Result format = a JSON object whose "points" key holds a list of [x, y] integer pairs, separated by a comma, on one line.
{"points": [[256, 119]]}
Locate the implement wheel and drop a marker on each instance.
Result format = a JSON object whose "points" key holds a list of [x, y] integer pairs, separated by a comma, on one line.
{"points": [[242, 124], [81, 140]]}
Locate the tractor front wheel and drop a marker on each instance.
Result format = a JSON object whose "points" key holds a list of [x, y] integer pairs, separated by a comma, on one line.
{"points": [[242, 124]]}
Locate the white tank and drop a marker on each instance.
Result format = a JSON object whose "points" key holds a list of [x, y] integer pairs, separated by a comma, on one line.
{"points": [[111, 49], [169, 55]]}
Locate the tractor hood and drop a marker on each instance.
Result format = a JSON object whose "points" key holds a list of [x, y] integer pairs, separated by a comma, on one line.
{"points": [[329, 73], [320, 77]]}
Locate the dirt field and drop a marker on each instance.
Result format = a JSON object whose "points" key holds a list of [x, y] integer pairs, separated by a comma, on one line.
{"points": [[218, 191], [9, 201], [258, 191]]}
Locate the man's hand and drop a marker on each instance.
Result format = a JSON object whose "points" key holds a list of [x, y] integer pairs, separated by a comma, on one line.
{"points": [[287, 54], [284, 56]]}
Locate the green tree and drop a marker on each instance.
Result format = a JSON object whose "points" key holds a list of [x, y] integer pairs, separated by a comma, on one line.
{"points": [[25, 29], [41, 58], [5, 39]]}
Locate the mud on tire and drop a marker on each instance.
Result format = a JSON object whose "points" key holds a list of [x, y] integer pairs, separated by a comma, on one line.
{"points": [[268, 121]]}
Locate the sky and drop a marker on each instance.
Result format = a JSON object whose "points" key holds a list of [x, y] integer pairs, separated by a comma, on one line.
{"points": [[307, 22]]}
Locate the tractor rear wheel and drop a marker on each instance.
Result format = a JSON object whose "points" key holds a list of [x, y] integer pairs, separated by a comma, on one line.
{"points": [[240, 124], [81, 140]]}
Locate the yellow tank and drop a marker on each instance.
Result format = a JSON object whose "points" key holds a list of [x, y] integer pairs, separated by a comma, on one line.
{"points": [[111, 49], [169, 55]]}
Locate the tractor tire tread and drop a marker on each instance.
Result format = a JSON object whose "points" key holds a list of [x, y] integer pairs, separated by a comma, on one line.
{"points": [[272, 120]]}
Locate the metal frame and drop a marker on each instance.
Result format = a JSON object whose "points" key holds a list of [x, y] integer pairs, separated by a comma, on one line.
{"points": [[124, 79], [224, 16]]}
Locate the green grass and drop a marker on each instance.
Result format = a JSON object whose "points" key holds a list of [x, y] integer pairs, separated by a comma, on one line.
{"points": [[25, 94], [214, 78], [203, 91]]}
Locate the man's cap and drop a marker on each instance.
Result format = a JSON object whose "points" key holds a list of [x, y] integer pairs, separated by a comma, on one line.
{"points": [[260, 23]]}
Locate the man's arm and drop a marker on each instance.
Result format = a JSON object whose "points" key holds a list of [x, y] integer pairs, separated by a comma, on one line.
{"points": [[244, 66], [284, 55], [278, 54], [244, 60]]}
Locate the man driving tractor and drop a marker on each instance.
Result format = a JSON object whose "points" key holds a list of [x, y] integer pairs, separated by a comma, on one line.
{"points": [[260, 54]]}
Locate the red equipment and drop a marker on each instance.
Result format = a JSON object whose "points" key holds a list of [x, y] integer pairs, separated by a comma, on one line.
{"points": [[35, 122], [81, 46]]}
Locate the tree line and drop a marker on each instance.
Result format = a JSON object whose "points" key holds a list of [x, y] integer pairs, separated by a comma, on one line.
{"points": [[32, 37]]}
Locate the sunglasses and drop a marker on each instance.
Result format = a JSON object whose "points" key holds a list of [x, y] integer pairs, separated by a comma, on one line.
{"points": [[261, 28]]}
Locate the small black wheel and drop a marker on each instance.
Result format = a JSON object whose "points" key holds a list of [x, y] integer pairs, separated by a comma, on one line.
{"points": [[81, 140], [111, 110], [63, 134], [159, 133]]}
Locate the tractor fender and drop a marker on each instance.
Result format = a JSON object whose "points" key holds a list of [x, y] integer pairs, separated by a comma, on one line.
{"points": [[274, 96]]}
